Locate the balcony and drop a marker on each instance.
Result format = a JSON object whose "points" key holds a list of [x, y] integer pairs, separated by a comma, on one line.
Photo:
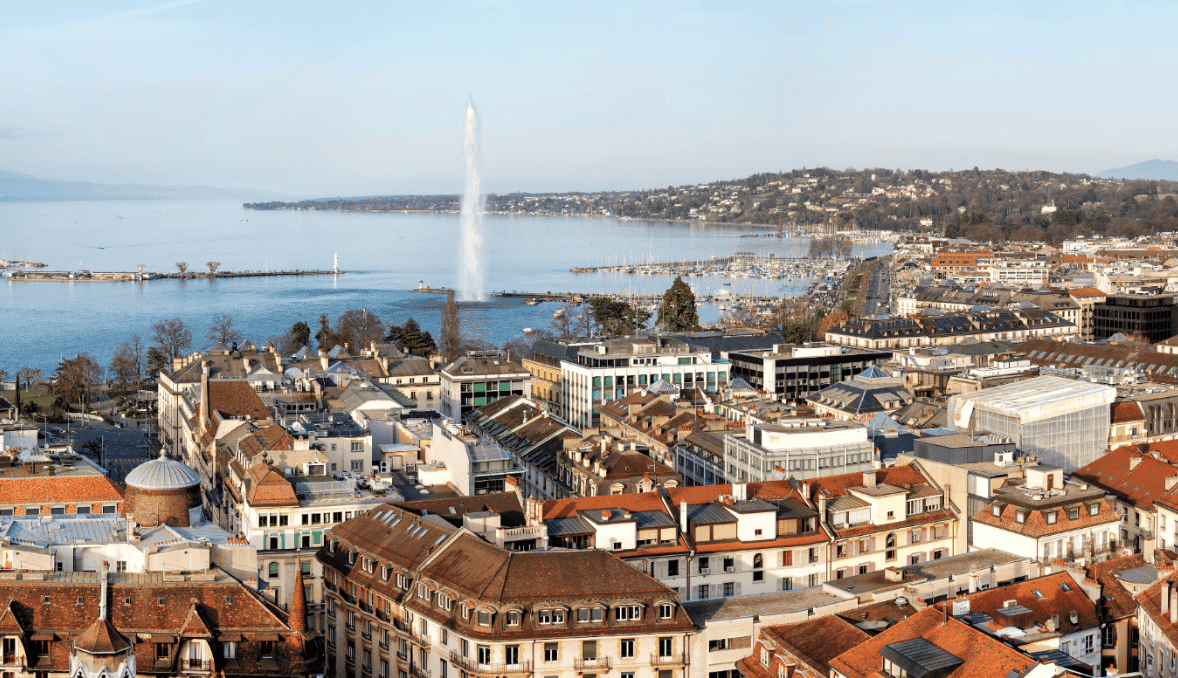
{"points": [[471, 666], [365, 607], [418, 672], [348, 598], [366, 635], [403, 655], [583, 664], [329, 585], [10, 660], [420, 638], [204, 665], [669, 660]]}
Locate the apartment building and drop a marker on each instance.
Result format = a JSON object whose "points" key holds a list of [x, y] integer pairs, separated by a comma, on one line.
{"points": [[702, 542], [890, 517], [412, 595], [789, 372], [1044, 518], [479, 378]]}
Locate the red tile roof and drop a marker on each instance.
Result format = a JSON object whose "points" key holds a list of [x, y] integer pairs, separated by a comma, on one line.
{"points": [[236, 399], [1035, 523], [46, 489], [982, 656], [837, 486], [1050, 599], [269, 488], [567, 508], [1080, 292], [1150, 602], [1135, 478], [1126, 412]]}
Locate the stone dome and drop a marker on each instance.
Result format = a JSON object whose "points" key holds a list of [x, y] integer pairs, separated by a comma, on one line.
{"points": [[162, 473]]}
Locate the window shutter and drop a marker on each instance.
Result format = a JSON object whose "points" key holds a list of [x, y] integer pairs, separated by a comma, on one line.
{"points": [[787, 558], [871, 544], [923, 534]]}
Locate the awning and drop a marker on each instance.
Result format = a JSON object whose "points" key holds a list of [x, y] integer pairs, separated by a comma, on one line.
{"points": [[162, 638], [230, 637], [265, 636]]}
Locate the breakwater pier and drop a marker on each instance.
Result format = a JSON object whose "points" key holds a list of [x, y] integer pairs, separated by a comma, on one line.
{"points": [[145, 276]]}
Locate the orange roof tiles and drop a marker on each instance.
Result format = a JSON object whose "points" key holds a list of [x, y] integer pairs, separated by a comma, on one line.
{"points": [[269, 488], [237, 399], [567, 508], [1081, 292], [1050, 599], [1133, 477], [43, 489], [1035, 522], [837, 486], [1127, 412], [982, 656]]}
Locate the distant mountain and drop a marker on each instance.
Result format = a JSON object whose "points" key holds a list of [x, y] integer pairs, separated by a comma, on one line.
{"points": [[15, 186], [1153, 170]]}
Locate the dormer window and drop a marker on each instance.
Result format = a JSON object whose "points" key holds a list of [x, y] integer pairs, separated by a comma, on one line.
{"points": [[484, 618], [666, 611], [1020, 516], [423, 591], [997, 510], [628, 612], [1051, 517], [513, 617], [1093, 509], [464, 610], [445, 602], [351, 557], [1073, 513]]}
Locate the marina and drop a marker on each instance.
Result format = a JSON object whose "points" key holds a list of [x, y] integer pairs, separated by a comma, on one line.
{"points": [[739, 265]]}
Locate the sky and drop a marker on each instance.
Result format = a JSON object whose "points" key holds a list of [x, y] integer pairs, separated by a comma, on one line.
{"points": [[320, 99]]}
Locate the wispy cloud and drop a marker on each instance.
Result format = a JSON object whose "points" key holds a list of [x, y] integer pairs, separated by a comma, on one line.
{"points": [[17, 133], [155, 9]]}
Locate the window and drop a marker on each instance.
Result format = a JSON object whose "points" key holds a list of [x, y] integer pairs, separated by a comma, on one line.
{"points": [[551, 652], [511, 655], [626, 649], [229, 647], [893, 670], [513, 617], [665, 646], [162, 651], [1051, 516], [589, 649], [673, 568], [484, 618], [627, 612], [423, 591], [703, 566], [702, 592], [719, 644], [544, 617], [1093, 509], [1073, 513], [483, 654], [266, 649], [666, 611], [273, 570]]}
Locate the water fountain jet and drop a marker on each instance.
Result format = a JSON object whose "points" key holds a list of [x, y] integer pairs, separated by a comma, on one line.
{"points": [[470, 275]]}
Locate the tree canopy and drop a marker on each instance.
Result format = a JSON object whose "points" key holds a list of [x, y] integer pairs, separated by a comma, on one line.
{"points": [[616, 317], [677, 313], [411, 339]]}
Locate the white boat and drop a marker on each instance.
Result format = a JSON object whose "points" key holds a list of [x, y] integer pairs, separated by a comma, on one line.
{"points": [[528, 330], [559, 313]]}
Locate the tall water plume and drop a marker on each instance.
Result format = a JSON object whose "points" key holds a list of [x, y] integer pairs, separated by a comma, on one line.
{"points": [[470, 276]]}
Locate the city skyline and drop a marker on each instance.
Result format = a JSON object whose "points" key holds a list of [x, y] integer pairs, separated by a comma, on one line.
{"points": [[367, 99]]}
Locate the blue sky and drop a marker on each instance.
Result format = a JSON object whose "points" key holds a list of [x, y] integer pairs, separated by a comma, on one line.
{"points": [[342, 98]]}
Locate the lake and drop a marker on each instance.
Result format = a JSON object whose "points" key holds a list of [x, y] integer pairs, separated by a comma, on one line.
{"points": [[384, 256]]}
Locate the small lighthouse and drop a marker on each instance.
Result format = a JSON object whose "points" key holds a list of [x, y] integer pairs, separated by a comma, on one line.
{"points": [[335, 269]]}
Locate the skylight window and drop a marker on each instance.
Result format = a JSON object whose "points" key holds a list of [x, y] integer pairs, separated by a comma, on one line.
{"points": [[1037, 593]]}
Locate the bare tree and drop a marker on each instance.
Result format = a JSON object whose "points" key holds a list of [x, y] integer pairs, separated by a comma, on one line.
{"points": [[562, 322], [123, 369], [222, 330], [172, 337], [75, 378], [358, 329], [183, 266], [213, 266], [137, 354], [583, 325], [30, 375], [4, 375], [451, 332]]}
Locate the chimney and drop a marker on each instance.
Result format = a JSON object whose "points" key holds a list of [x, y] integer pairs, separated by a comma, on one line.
{"points": [[1171, 482], [203, 410], [102, 590], [821, 507], [1174, 604], [323, 361], [683, 517], [869, 479], [973, 583], [1165, 596], [1133, 462]]}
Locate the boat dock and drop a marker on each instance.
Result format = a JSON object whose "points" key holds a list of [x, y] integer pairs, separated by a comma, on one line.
{"points": [[136, 276]]}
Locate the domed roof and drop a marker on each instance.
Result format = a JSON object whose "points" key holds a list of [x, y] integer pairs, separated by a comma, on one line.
{"points": [[162, 473]]}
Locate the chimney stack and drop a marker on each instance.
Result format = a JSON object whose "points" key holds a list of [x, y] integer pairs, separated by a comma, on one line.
{"points": [[1165, 597], [683, 517], [1174, 604], [102, 590]]}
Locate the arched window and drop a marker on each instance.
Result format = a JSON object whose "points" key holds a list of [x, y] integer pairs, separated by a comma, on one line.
{"points": [[273, 570], [890, 542], [758, 561]]}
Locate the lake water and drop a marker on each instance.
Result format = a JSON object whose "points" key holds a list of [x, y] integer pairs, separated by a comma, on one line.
{"points": [[384, 256]]}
